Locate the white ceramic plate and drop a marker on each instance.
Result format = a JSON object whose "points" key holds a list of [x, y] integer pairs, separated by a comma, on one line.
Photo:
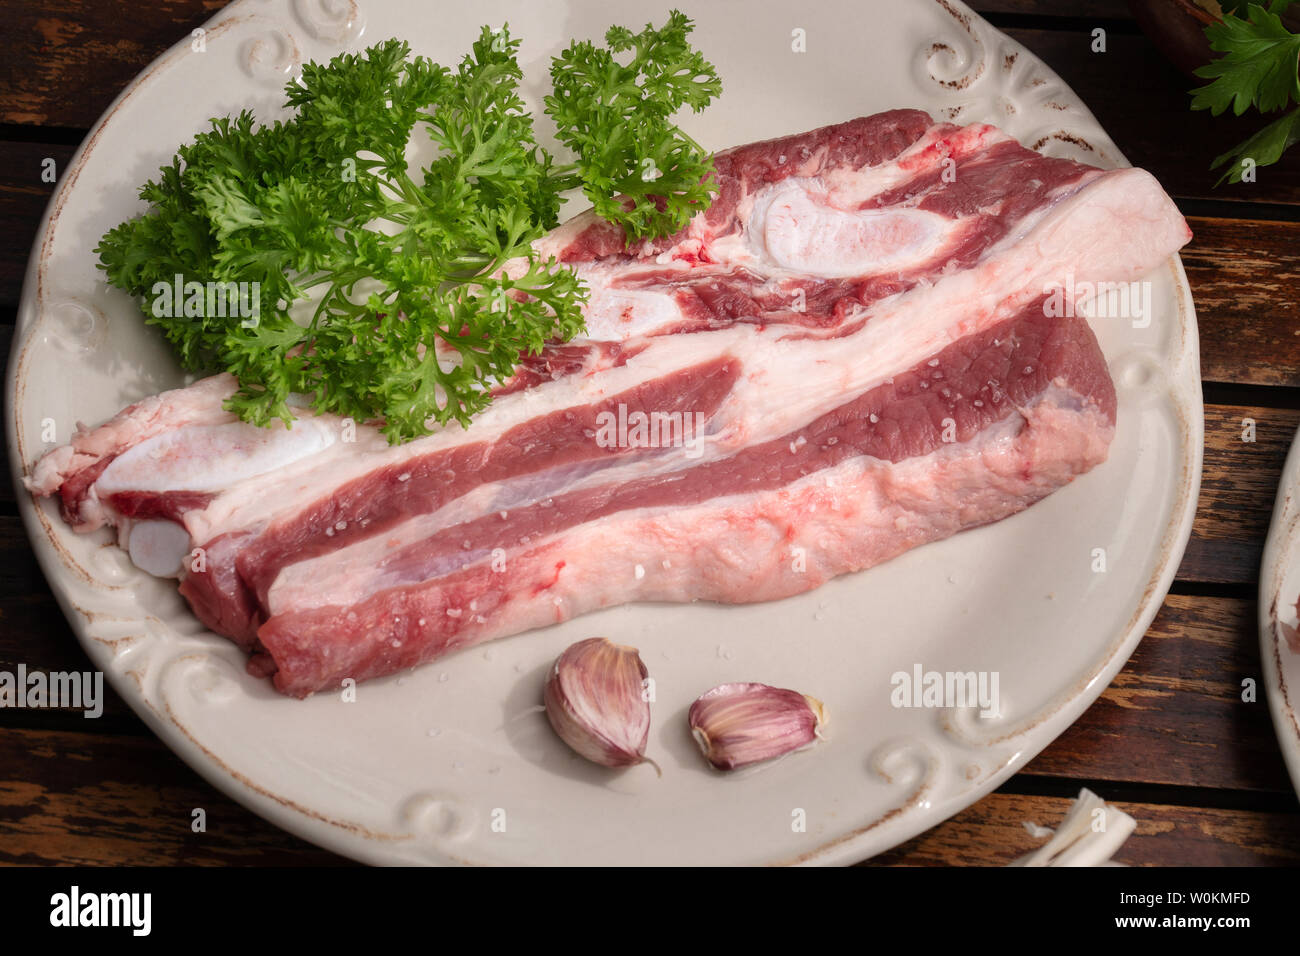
{"points": [[1279, 587], [449, 763]]}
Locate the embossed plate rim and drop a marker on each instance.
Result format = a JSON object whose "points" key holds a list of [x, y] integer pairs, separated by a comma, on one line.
{"points": [[1281, 666]]}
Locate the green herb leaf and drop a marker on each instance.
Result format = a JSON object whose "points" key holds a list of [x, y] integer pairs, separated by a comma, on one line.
{"points": [[1265, 147], [1259, 63], [635, 165]]}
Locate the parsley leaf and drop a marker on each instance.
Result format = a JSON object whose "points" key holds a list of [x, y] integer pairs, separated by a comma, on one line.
{"points": [[1258, 66], [427, 287], [1264, 148], [635, 165]]}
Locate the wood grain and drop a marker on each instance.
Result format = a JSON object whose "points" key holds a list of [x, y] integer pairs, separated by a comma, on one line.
{"points": [[1175, 714], [1238, 486], [23, 197], [66, 60], [1143, 103], [83, 798], [992, 833], [1245, 280], [90, 799]]}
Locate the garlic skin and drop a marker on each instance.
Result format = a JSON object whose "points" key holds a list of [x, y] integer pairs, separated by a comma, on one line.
{"points": [[595, 699], [741, 724], [1077, 842]]}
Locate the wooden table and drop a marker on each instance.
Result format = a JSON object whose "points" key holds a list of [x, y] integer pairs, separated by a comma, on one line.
{"points": [[1169, 741]]}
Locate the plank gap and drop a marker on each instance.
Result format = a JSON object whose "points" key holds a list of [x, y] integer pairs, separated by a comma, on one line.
{"points": [[1241, 590], [54, 135], [45, 719], [1175, 795], [1062, 23], [1253, 396], [1244, 209]]}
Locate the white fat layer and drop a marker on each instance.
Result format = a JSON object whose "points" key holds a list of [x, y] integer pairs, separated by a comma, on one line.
{"points": [[616, 314], [355, 569], [211, 457], [864, 513]]}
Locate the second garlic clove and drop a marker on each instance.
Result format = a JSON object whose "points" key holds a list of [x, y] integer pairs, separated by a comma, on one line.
{"points": [[741, 724]]}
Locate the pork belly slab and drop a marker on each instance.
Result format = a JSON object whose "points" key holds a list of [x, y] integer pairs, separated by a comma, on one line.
{"points": [[847, 356]]}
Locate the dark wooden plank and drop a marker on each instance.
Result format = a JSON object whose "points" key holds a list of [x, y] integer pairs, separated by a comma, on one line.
{"points": [[33, 630], [1142, 102], [23, 197], [80, 798], [7, 490], [1175, 715], [64, 61], [1238, 485], [992, 833], [90, 799], [1073, 9], [1245, 279]]}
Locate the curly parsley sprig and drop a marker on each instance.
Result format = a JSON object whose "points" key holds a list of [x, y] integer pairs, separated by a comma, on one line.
{"points": [[416, 314], [607, 111]]}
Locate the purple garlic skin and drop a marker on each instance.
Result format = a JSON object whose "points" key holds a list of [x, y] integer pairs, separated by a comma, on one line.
{"points": [[741, 724], [596, 701]]}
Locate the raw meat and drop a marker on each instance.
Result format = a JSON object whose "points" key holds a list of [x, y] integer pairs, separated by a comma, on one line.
{"points": [[848, 355]]}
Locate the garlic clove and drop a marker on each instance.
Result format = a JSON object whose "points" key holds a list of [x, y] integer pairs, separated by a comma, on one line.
{"points": [[597, 702], [741, 724]]}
